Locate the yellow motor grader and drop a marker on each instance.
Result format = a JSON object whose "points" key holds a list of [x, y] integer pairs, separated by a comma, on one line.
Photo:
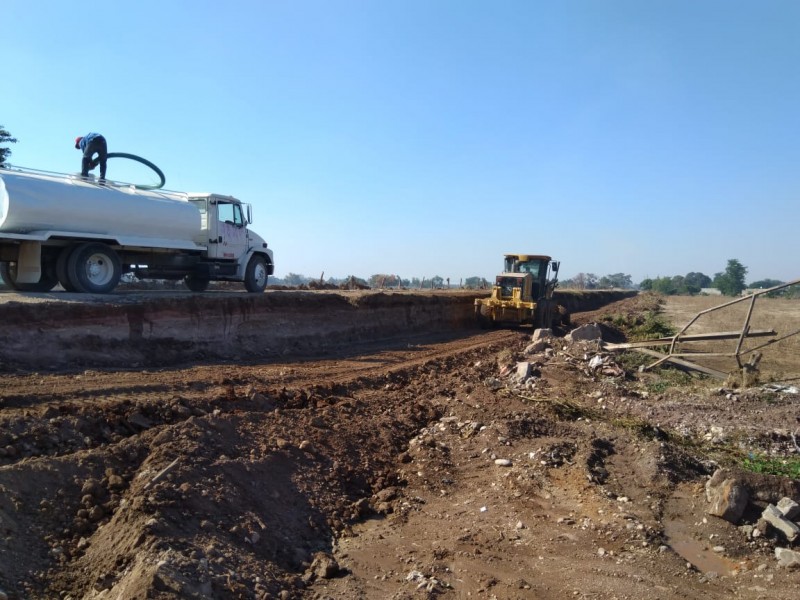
{"points": [[523, 294]]}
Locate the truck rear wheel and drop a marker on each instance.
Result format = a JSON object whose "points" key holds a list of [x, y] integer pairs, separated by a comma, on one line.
{"points": [[94, 268], [61, 269], [47, 281], [195, 283], [256, 275]]}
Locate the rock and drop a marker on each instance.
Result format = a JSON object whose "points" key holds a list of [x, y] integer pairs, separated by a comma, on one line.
{"points": [[3, 595], [139, 420], [789, 508], [493, 383], [727, 497], [91, 486], [503, 462], [115, 482], [324, 566], [541, 334], [386, 495], [523, 370], [787, 558], [536, 347], [775, 517], [587, 333]]}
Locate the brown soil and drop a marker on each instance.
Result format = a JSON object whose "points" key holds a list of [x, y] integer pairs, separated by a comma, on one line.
{"points": [[411, 470]]}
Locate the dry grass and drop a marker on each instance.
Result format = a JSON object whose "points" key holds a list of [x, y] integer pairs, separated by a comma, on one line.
{"points": [[781, 360]]}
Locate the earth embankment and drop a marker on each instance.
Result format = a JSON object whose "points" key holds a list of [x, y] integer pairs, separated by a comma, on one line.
{"points": [[144, 329]]}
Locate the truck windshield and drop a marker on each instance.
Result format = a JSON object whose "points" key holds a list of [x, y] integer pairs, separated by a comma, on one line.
{"points": [[531, 267], [230, 213], [514, 265]]}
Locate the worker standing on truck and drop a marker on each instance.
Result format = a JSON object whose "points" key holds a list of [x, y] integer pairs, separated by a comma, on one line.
{"points": [[91, 144]]}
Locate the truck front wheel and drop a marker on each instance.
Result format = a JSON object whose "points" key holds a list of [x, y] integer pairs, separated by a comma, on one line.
{"points": [[94, 268], [256, 275]]}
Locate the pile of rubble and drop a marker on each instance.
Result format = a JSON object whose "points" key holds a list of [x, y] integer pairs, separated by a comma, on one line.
{"points": [[765, 507], [742, 497]]}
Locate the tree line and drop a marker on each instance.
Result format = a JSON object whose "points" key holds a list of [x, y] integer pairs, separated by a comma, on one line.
{"points": [[381, 281], [730, 282]]}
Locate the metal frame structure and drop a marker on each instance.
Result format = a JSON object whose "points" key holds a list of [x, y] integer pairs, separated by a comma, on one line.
{"points": [[679, 358]]}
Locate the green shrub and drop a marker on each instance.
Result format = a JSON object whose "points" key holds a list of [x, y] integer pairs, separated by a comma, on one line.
{"points": [[784, 467]]}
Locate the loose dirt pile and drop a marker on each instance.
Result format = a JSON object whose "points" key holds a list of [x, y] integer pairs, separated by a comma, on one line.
{"points": [[432, 468]]}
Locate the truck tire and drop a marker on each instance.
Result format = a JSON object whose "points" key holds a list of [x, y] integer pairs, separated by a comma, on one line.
{"points": [[61, 269], [256, 275], [196, 283], [94, 268], [47, 281]]}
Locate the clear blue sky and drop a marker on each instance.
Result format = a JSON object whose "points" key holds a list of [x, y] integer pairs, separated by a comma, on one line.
{"points": [[429, 137]]}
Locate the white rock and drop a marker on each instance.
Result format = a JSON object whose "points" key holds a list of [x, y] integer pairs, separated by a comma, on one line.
{"points": [[775, 517], [788, 558], [523, 371], [503, 462], [789, 508], [588, 333]]}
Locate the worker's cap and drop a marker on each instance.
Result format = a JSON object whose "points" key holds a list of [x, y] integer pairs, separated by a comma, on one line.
{"points": [[78, 142]]}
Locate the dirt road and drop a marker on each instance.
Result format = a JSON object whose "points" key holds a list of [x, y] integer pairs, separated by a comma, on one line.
{"points": [[416, 469]]}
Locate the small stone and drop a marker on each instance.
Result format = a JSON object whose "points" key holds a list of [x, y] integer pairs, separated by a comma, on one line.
{"points": [[789, 508], [719, 549], [775, 517], [787, 558], [601, 552], [325, 566], [503, 462]]}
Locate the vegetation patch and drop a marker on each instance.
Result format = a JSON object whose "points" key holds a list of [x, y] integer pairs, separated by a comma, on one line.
{"points": [[773, 465]]}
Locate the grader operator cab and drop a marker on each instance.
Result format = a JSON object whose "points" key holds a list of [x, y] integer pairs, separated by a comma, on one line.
{"points": [[523, 294]]}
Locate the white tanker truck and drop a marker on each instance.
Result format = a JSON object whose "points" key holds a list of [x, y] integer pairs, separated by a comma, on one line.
{"points": [[64, 229]]}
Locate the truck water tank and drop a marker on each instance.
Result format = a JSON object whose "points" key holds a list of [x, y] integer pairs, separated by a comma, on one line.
{"points": [[36, 202]]}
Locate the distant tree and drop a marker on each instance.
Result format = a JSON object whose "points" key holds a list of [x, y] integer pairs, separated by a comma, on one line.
{"points": [[5, 138], [665, 285], [381, 280], [765, 284], [583, 281], [474, 282], [416, 282], [697, 281], [617, 280], [295, 279], [646, 284], [437, 281], [731, 282]]}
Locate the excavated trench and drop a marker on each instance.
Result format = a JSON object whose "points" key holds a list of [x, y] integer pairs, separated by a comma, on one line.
{"points": [[145, 329]]}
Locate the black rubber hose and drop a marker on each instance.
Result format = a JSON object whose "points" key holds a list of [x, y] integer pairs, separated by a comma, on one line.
{"points": [[146, 163]]}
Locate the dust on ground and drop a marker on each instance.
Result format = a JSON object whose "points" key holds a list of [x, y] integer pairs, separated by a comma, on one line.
{"points": [[417, 471]]}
